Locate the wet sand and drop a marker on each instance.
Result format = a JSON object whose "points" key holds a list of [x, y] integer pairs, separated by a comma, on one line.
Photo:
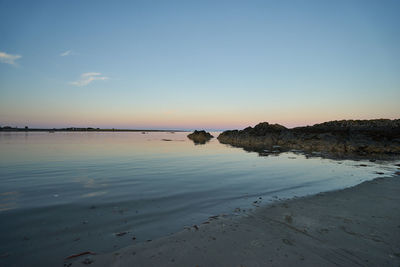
{"points": [[358, 226]]}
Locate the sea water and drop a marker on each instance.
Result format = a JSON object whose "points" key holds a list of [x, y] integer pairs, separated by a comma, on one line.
{"points": [[64, 193]]}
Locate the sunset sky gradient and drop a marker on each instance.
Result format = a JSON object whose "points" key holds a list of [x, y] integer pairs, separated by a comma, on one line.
{"points": [[197, 64]]}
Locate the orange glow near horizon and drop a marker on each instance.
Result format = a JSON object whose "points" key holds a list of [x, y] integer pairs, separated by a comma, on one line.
{"points": [[190, 120]]}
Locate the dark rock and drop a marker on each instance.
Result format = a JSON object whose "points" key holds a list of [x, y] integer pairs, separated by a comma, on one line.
{"points": [[4, 255], [200, 137], [264, 128], [87, 261], [364, 138], [121, 233]]}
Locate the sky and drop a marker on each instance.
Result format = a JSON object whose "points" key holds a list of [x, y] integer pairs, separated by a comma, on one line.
{"points": [[197, 64]]}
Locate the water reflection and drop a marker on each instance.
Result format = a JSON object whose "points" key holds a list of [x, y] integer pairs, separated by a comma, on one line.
{"points": [[94, 194], [200, 142], [8, 200], [269, 151]]}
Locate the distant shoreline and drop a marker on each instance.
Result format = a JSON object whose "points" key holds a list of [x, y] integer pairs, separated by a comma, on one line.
{"points": [[73, 129]]}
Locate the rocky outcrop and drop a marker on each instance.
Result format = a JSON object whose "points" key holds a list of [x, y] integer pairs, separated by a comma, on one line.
{"points": [[200, 137], [358, 137]]}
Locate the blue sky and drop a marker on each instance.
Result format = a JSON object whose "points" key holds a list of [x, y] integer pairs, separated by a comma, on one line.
{"points": [[197, 64]]}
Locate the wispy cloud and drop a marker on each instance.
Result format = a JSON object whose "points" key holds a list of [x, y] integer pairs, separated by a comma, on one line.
{"points": [[9, 58], [89, 77], [67, 53]]}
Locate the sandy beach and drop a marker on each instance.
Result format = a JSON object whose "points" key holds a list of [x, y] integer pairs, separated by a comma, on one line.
{"points": [[358, 226]]}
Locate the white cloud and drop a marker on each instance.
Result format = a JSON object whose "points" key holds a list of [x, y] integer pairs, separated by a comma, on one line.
{"points": [[89, 77], [67, 53], [88, 74], [8, 58]]}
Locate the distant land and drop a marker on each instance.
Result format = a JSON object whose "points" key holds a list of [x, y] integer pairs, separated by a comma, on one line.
{"points": [[78, 129]]}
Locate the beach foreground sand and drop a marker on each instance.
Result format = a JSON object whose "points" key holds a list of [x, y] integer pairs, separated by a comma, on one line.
{"points": [[358, 226]]}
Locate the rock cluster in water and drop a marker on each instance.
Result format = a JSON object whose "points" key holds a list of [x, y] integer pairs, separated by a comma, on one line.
{"points": [[200, 137], [361, 137]]}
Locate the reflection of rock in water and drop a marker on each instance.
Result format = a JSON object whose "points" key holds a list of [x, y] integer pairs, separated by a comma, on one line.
{"points": [[363, 138], [200, 137]]}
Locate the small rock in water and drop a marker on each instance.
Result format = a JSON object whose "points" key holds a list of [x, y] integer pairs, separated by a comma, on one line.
{"points": [[288, 218], [4, 255], [87, 261], [121, 233], [200, 137], [287, 242]]}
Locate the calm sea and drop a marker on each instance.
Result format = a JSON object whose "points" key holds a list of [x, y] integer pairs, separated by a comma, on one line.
{"points": [[63, 193]]}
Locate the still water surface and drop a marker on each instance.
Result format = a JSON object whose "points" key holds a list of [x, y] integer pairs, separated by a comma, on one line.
{"points": [[63, 193]]}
